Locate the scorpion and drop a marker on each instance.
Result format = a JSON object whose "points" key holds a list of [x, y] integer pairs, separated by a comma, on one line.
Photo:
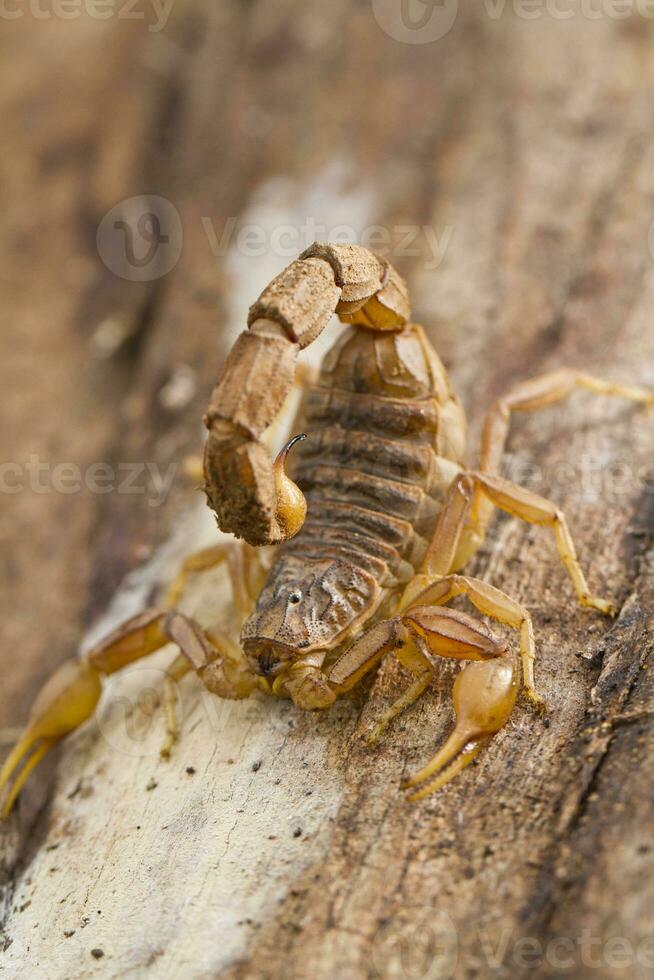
{"points": [[370, 530]]}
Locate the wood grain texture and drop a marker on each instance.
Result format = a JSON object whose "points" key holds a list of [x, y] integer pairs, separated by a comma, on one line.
{"points": [[525, 145]]}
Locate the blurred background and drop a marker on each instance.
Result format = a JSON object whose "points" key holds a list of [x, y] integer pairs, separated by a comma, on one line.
{"points": [[163, 159]]}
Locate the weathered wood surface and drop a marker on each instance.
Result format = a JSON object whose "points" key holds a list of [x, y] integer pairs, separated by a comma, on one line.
{"points": [[526, 145]]}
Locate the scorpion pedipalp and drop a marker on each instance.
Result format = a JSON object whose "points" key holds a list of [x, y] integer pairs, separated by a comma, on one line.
{"points": [[484, 696]]}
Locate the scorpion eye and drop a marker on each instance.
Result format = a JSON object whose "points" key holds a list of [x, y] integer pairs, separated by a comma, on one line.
{"points": [[295, 597]]}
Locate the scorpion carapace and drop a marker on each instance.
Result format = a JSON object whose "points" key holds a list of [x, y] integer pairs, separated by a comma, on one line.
{"points": [[371, 528]]}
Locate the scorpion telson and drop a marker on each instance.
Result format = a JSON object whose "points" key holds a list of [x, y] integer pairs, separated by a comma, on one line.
{"points": [[374, 523]]}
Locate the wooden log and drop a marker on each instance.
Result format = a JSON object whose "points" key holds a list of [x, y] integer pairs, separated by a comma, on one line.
{"points": [[275, 843]]}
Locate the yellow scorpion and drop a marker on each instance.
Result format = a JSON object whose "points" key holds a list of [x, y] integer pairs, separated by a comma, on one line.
{"points": [[369, 536]]}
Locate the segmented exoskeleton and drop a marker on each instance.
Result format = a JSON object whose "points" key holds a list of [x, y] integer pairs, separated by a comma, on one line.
{"points": [[370, 533]]}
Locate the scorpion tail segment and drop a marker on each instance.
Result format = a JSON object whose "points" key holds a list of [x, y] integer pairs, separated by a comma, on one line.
{"points": [[249, 496], [291, 506], [484, 695], [68, 700], [240, 478]]}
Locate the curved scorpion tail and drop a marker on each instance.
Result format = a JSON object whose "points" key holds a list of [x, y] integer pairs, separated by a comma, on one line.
{"points": [[68, 700], [252, 497]]}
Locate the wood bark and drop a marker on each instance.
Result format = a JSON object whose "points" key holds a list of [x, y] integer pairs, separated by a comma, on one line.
{"points": [[275, 843]]}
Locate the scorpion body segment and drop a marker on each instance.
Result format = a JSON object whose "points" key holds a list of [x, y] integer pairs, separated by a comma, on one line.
{"points": [[386, 437], [371, 526]]}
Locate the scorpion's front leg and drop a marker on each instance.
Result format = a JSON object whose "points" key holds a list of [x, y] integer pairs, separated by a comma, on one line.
{"points": [[484, 692], [71, 695]]}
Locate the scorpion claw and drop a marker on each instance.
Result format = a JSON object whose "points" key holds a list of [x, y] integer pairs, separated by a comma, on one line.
{"points": [[66, 702], [446, 774], [484, 694]]}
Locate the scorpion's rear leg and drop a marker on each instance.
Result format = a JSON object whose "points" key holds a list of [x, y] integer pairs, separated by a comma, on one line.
{"points": [[528, 397], [70, 697], [539, 393], [458, 534]]}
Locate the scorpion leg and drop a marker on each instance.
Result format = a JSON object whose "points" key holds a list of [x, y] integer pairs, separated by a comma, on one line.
{"points": [[458, 535], [533, 509], [538, 393], [410, 696], [71, 695], [238, 563], [528, 397]]}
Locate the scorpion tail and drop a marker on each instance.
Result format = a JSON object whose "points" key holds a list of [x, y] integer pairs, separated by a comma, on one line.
{"points": [[251, 496], [68, 700]]}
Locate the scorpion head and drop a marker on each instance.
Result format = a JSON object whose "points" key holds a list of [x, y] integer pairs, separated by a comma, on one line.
{"points": [[306, 609]]}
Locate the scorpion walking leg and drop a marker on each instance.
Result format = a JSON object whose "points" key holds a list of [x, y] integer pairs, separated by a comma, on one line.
{"points": [[231, 661], [71, 695], [411, 695], [533, 509], [246, 576], [458, 533], [208, 558], [528, 397]]}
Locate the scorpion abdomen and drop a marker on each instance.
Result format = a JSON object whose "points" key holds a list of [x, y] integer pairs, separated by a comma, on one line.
{"points": [[386, 436]]}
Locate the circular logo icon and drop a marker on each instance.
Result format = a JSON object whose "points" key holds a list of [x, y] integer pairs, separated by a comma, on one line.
{"points": [[140, 239], [418, 943], [416, 21], [132, 719]]}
